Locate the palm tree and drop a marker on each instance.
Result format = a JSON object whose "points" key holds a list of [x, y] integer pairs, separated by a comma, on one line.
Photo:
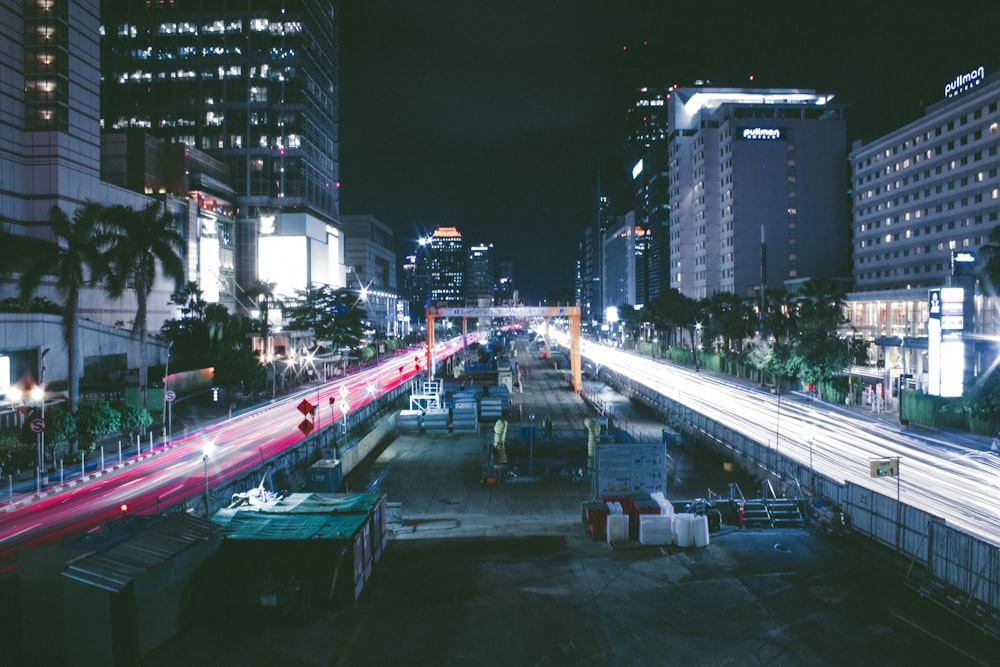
{"points": [[137, 243], [262, 294], [72, 258]]}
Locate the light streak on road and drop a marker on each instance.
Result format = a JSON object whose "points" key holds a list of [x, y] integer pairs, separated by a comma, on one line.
{"points": [[176, 474], [945, 479]]}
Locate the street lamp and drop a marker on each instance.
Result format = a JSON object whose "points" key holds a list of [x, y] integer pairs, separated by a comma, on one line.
{"points": [[531, 441], [166, 392], [697, 343], [206, 452], [810, 436], [38, 395]]}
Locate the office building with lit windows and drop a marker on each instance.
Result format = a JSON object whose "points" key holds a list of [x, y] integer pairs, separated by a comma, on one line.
{"points": [[924, 199], [371, 271], [255, 85], [479, 279], [618, 259], [50, 155], [441, 264], [751, 163], [927, 189]]}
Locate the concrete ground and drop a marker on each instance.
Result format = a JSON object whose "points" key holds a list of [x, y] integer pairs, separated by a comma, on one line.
{"points": [[506, 574]]}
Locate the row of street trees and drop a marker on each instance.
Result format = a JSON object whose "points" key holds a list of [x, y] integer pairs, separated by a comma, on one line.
{"points": [[208, 335], [116, 248], [801, 338]]}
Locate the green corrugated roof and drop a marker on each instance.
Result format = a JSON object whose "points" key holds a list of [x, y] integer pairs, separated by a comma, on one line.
{"points": [[252, 525], [314, 503]]}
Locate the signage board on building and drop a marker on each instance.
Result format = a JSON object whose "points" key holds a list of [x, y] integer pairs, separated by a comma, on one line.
{"points": [[761, 134], [945, 342], [964, 82], [952, 309]]}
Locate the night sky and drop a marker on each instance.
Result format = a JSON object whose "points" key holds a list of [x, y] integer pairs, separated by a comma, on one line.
{"points": [[493, 116]]}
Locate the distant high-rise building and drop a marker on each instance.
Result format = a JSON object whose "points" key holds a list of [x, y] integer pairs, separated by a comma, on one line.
{"points": [[506, 289], [413, 287], [371, 269], [479, 280], [441, 263], [368, 251], [619, 280], [750, 163], [254, 85], [647, 118]]}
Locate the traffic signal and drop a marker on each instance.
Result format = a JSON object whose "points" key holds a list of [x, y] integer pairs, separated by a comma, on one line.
{"points": [[124, 508]]}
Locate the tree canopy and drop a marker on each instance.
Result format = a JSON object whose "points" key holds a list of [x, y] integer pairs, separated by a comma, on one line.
{"points": [[335, 316]]}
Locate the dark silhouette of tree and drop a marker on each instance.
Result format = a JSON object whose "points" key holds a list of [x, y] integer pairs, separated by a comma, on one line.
{"points": [[669, 312], [72, 258], [333, 315], [138, 244], [990, 262], [819, 307]]}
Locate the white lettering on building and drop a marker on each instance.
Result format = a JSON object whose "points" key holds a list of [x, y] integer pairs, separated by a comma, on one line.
{"points": [[761, 133], [964, 82]]}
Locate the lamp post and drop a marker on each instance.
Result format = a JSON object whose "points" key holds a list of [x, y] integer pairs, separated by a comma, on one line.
{"points": [[38, 392], [166, 391], [697, 343], [206, 452], [531, 441], [38, 395], [810, 436]]}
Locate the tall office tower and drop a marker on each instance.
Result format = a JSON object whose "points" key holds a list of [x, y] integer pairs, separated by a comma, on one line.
{"points": [[254, 84], [442, 267], [412, 285], [479, 276], [589, 275], [505, 293], [750, 163], [646, 118], [618, 258], [646, 145]]}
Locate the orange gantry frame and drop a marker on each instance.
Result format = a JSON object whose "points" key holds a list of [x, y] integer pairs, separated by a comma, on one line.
{"points": [[571, 313]]}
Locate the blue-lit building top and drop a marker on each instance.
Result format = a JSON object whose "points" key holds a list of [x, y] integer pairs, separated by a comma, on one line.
{"points": [[746, 164]]}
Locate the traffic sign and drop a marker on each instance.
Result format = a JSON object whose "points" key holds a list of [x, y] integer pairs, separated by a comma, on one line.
{"points": [[170, 396], [37, 425], [306, 427], [305, 407], [884, 467]]}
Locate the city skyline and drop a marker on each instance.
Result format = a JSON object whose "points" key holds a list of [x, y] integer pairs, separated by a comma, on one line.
{"points": [[494, 120]]}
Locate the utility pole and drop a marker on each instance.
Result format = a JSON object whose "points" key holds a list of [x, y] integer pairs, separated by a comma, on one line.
{"points": [[763, 280]]}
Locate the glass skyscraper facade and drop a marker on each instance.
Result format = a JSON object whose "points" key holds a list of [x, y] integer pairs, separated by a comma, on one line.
{"points": [[252, 83]]}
